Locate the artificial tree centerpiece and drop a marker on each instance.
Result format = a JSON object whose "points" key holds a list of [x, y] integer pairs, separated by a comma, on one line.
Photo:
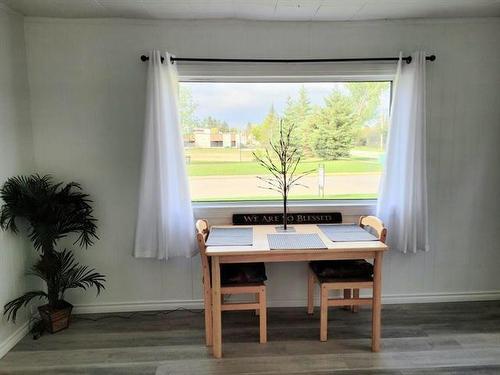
{"points": [[50, 212], [281, 159]]}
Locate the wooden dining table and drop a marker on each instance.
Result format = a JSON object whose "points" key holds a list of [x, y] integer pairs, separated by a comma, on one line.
{"points": [[259, 251]]}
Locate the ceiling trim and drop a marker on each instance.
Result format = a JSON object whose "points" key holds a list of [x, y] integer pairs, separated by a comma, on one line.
{"points": [[146, 22]]}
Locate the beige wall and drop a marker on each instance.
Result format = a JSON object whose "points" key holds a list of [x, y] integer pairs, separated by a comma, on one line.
{"points": [[87, 88], [16, 157]]}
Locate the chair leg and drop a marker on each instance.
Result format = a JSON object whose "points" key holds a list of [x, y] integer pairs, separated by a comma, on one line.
{"points": [[355, 294], [208, 317], [257, 299], [262, 315], [310, 292], [347, 295], [323, 331]]}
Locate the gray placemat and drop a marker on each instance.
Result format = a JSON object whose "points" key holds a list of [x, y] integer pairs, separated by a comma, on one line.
{"points": [[239, 236], [346, 232], [295, 241]]}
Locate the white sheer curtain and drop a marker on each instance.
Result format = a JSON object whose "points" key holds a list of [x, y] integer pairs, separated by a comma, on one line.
{"points": [[402, 203], [165, 223]]}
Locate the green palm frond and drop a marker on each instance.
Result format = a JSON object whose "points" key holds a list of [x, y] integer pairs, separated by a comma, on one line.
{"points": [[18, 194], [84, 277], [74, 275], [11, 308], [63, 272], [52, 210]]}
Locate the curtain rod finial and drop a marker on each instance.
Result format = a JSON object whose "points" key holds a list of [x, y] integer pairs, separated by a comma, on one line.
{"points": [[428, 58], [146, 58]]}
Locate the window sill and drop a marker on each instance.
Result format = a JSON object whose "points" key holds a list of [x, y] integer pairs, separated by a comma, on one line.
{"points": [[221, 212]]}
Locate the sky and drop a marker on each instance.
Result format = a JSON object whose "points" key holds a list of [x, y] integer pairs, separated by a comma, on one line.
{"points": [[241, 103]]}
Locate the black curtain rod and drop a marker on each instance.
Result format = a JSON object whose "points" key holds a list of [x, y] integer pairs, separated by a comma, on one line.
{"points": [[200, 59]]}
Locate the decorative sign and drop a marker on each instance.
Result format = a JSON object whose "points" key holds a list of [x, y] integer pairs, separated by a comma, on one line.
{"points": [[298, 218]]}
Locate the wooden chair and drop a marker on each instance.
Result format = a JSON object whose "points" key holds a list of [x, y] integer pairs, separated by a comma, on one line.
{"points": [[361, 277], [258, 289]]}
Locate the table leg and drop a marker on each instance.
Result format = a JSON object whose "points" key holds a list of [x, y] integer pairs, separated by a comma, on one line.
{"points": [[216, 308], [377, 303]]}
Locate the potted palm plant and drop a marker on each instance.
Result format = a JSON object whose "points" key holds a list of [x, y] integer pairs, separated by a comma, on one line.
{"points": [[50, 212]]}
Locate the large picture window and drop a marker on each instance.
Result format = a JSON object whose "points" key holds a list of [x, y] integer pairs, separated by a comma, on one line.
{"points": [[340, 130]]}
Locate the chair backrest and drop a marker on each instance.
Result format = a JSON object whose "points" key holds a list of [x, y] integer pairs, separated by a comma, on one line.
{"points": [[202, 230], [376, 224]]}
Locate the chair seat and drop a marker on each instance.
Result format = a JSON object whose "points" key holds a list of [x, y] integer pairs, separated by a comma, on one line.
{"points": [[242, 273], [342, 270]]}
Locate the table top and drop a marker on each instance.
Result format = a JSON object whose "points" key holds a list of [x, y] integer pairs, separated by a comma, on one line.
{"points": [[261, 245]]}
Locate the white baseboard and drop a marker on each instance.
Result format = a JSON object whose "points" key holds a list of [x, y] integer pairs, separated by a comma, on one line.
{"points": [[198, 303], [491, 295], [14, 338]]}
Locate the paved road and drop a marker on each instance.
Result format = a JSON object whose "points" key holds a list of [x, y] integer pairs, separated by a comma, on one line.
{"points": [[237, 186]]}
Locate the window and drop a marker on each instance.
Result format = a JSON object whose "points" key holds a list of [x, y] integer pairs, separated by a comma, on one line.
{"points": [[341, 129]]}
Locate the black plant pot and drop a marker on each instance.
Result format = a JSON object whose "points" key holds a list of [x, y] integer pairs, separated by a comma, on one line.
{"points": [[56, 318]]}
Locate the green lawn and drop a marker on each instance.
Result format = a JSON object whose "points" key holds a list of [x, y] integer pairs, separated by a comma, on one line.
{"points": [[235, 162], [236, 155], [353, 165], [368, 149]]}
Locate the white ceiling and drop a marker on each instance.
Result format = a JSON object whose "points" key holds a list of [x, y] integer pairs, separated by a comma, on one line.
{"points": [[303, 10]]}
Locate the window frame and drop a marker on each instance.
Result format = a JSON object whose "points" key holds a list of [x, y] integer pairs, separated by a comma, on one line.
{"points": [[353, 206]]}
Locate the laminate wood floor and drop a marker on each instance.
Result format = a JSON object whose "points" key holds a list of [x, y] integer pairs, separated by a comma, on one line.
{"points": [[444, 338]]}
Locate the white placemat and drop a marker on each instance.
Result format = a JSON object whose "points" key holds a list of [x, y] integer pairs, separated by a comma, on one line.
{"points": [[238, 236], [295, 241], [346, 232]]}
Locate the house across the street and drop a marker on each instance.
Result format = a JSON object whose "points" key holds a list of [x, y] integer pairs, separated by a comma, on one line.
{"points": [[207, 138]]}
